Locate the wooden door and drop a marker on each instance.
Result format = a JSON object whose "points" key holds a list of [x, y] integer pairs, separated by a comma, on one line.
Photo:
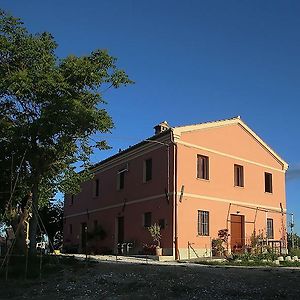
{"points": [[83, 237], [237, 233], [120, 230]]}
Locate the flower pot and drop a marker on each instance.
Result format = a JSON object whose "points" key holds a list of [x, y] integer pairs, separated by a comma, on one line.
{"points": [[158, 251]]}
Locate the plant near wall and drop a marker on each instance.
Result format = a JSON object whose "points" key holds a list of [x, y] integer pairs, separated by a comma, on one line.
{"points": [[220, 245], [155, 233]]}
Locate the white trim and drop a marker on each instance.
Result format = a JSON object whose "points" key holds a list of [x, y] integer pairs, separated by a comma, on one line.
{"points": [[228, 155], [117, 205], [232, 201], [126, 157], [197, 196], [179, 130]]}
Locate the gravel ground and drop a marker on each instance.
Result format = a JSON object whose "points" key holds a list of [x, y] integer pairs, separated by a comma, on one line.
{"points": [[138, 279]]}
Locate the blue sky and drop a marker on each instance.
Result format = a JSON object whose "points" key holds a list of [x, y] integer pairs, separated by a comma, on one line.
{"points": [[192, 61]]}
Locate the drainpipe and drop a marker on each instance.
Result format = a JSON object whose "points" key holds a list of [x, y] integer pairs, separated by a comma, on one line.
{"points": [[175, 197]]}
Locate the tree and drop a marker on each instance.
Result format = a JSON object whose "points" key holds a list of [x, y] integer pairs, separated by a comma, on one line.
{"points": [[49, 110], [52, 220]]}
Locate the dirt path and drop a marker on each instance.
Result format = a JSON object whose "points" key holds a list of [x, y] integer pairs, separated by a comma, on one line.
{"points": [[108, 280]]}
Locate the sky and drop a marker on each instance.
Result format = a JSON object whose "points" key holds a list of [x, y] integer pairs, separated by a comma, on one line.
{"points": [[192, 62]]}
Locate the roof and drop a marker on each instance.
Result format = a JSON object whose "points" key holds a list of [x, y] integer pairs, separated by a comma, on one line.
{"points": [[177, 131], [131, 148], [236, 120]]}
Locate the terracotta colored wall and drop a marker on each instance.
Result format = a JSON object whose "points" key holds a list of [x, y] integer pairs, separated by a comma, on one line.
{"points": [[131, 202], [216, 194]]}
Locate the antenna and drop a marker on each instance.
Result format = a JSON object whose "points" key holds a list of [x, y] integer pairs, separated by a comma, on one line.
{"points": [[292, 224]]}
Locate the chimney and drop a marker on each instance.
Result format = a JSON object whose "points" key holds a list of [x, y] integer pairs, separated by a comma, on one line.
{"points": [[163, 126]]}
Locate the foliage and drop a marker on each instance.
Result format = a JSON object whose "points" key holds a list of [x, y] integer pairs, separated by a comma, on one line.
{"points": [[52, 217], [149, 249], [296, 240], [49, 110], [269, 256], [155, 233], [220, 245], [294, 252]]}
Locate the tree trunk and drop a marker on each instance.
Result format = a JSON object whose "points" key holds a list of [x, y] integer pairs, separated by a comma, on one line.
{"points": [[34, 220]]}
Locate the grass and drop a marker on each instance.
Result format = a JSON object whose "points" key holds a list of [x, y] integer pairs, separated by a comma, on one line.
{"points": [[253, 263]]}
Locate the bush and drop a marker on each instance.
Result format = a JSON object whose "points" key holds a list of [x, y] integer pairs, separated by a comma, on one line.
{"points": [[295, 251]]}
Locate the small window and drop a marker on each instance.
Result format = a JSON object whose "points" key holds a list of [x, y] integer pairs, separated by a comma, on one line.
{"points": [[147, 219], [121, 180], [147, 170], [162, 223], [202, 167], [97, 187], [203, 222], [238, 175], [270, 230], [72, 200], [268, 183], [70, 228]]}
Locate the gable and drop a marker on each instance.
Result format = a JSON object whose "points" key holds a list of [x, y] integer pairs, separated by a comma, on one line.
{"points": [[232, 137]]}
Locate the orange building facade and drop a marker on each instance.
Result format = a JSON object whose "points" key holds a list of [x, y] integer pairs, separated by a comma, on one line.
{"points": [[191, 180]]}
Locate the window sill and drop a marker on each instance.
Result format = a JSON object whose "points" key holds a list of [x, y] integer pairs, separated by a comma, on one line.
{"points": [[202, 179], [199, 235], [239, 187], [147, 182], [269, 193]]}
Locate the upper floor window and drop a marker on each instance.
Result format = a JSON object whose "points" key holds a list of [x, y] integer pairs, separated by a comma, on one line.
{"points": [[203, 222], [121, 180], [147, 172], [270, 230], [97, 186], [70, 228], [238, 175], [268, 183], [72, 200], [202, 167], [147, 219]]}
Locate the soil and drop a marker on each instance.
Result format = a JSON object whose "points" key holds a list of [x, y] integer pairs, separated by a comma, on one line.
{"points": [[118, 280]]}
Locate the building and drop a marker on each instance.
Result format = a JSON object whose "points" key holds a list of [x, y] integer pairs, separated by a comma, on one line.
{"points": [[193, 181]]}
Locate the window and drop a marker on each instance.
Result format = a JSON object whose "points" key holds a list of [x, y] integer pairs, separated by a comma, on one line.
{"points": [[202, 167], [147, 219], [147, 170], [121, 180], [97, 187], [70, 229], [72, 200], [162, 223], [270, 231], [238, 175], [268, 183], [203, 222]]}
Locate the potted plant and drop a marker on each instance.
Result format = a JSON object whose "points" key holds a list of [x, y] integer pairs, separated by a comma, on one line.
{"points": [[156, 236]]}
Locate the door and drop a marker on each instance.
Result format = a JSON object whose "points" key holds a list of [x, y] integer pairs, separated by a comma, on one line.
{"points": [[237, 233], [120, 230], [83, 237]]}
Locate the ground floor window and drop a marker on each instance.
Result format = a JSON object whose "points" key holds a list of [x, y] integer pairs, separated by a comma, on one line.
{"points": [[270, 229], [203, 222], [147, 219]]}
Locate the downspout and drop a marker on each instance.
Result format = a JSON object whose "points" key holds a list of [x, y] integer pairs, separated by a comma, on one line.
{"points": [[175, 197]]}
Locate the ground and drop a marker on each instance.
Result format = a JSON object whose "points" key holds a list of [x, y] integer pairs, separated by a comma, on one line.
{"points": [[147, 280]]}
